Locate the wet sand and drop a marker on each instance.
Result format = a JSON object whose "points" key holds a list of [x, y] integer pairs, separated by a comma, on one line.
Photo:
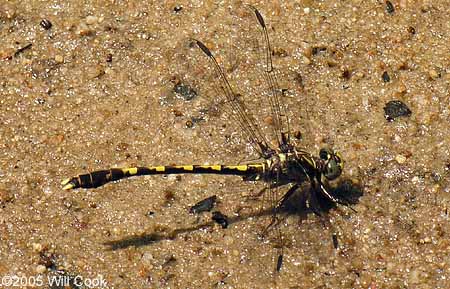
{"points": [[96, 90]]}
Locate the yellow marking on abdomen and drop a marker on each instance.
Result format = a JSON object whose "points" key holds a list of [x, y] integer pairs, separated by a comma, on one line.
{"points": [[239, 167], [130, 171], [212, 167], [258, 166], [186, 168], [160, 168]]}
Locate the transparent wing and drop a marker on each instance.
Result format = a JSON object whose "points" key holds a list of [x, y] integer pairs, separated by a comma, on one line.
{"points": [[271, 91], [234, 105]]}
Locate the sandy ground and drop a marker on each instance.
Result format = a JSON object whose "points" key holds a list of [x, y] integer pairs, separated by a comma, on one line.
{"points": [[95, 90]]}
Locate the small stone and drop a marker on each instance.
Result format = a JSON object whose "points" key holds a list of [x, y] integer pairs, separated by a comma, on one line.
{"points": [[26, 61], [9, 12], [185, 91], [358, 75], [390, 7], [83, 30], [306, 10], [386, 77], [37, 247], [401, 159], [177, 8], [59, 58], [400, 90], [46, 24], [433, 74], [306, 60], [40, 269], [189, 124], [396, 108], [47, 190], [411, 30], [109, 57], [414, 276], [90, 20], [5, 196], [269, 120], [228, 240], [147, 258]]}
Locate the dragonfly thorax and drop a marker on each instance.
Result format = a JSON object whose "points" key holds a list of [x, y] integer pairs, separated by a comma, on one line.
{"points": [[299, 165]]}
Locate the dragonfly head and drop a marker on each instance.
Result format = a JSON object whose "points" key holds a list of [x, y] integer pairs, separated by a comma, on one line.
{"points": [[333, 163]]}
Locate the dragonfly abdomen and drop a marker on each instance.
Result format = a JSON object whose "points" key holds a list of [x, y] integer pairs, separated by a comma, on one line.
{"points": [[98, 178]]}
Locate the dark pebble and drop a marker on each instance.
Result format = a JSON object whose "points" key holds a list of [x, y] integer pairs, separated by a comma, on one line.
{"points": [[316, 50], [335, 241], [185, 91], [46, 24], [189, 124], [177, 8], [346, 74], [109, 57], [390, 7], [386, 77], [220, 219], [394, 109], [204, 205]]}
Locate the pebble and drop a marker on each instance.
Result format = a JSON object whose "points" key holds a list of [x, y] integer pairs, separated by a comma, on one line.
{"points": [[26, 61], [306, 60], [396, 108], [59, 58], [5, 196], [83, 30], [90, 20], [147, 258], [185, 91], [401, 159], [414, 276], [390, 7], [40, 269], [358, 75], [386, 77], [46, 24], [37, 247], [433, 74], [177, 8], [9, 12], [400, 90], [228, 240]]}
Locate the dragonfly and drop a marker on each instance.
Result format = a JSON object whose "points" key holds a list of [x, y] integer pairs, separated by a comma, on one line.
{"points": [[280, 163]]}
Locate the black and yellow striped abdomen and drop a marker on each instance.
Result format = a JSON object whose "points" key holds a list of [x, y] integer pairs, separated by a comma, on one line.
{"points": [[101, 177]]}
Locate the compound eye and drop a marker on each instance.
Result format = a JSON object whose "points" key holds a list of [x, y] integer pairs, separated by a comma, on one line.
{"points": [[333, 169], [325, 154], [333, 163]]}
